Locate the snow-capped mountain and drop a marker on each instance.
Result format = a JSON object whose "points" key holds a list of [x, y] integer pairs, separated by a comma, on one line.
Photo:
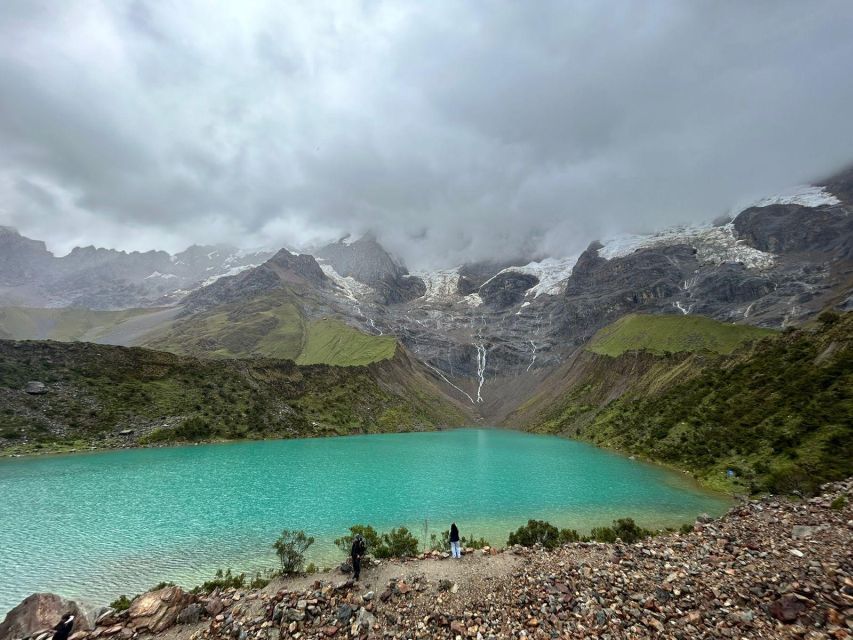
{"points": [[485, 328]]}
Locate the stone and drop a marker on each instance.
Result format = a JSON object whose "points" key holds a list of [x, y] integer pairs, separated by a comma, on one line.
{"points": [[344, 613], [41, 611], [787, 609], [156, 611], [35, 388], [803, 531], [214, 606], [191, 614]]}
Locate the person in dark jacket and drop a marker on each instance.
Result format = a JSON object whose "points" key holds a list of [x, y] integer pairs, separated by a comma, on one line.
{"points": [[454, 541], [63, 629], [356, 552]]}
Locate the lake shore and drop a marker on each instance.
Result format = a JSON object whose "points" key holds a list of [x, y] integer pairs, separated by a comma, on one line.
{"points": [[767, 568]]}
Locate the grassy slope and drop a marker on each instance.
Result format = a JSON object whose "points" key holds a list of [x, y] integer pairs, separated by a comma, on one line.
{"points": [[24, 323], [778, 412], [272, 325], [95, 391], [672, 334], [333, 342]]}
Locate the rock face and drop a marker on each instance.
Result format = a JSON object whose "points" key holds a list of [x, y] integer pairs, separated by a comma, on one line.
{"points": [[788, 228], [507, 289], [284, 268], [40, 611], [107, 279], [369, 263], [156, 611]]}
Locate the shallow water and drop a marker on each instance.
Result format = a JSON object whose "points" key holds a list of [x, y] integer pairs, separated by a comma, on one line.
{"points": [[93, 526]]}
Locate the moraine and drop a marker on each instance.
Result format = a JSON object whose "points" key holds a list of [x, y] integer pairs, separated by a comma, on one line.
{"points": [[93, 526]]}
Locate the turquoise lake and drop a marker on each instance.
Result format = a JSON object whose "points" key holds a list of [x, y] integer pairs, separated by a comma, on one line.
{"points": [[93, 526]]}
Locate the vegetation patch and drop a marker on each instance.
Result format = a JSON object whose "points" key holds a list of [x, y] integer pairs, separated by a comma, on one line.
{"points": [[774, 416], [672, 334], [333, 342]]}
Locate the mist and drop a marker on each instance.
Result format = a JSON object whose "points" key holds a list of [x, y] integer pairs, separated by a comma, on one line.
{"points": [[453, 131]]}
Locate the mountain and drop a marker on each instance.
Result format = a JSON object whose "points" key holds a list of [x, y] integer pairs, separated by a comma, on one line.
{"points": [[103, 279], [490, 332], [774, 410], [97, 395]]}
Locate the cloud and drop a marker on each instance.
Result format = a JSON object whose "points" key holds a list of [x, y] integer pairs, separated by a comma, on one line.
{"points": [[452, 130]]}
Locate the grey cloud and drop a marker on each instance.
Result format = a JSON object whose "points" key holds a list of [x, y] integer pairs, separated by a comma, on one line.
{"points": [[451, 130]]}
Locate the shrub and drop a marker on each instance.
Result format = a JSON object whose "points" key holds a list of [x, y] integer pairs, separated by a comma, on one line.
{"points": [[371, 538], [291, 547], [222, 580], [625, 529], [569, 535], [536, 532], [838, 503], [122, 603], [686, 528], [398, 543]]}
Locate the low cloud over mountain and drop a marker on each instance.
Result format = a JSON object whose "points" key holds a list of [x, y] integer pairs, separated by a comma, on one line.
{"points": [[453, 131]]}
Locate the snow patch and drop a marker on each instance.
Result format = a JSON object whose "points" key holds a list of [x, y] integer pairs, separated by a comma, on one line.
{"points": [[803, 195], [551, 272], [441, 285], [352, 288], [157, 274], [233, 271], [714, 245]]}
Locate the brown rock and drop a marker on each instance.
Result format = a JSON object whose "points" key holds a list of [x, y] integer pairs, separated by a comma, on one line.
{"points": [[787, 609], [156, 611], [41, 611]]}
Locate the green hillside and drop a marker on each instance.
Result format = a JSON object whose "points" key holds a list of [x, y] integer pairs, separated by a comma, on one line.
{"points": [[94, 392], [333, 342], [777, 413], [672, 334], [68, 324], [272, 325]]}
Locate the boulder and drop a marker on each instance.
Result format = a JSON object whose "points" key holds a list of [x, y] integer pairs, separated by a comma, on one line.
{"points": [[41, 611], [35, 388], [191, 614], [156, 611]]}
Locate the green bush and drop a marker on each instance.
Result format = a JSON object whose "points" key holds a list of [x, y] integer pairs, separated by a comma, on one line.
{"points": [[397, 543], [222, 580], [290, 548], [122, 603], [535, 532], [569, 535], [838, 504], [624, 529], [371, 538]]}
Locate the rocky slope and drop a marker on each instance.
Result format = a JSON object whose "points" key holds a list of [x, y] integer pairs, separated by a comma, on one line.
{"points": [[483, 329], [71, 395], [770, 568], [31, 276]]}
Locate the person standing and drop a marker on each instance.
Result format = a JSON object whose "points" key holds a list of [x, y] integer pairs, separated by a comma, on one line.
{"points": [[356, 552], [454, 541], [63, 628]]}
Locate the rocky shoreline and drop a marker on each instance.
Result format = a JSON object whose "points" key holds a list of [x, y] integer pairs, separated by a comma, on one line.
{"points": [[769, 568]]}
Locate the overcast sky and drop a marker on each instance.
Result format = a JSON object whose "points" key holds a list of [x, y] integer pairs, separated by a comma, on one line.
{"points": [[453, 130]]}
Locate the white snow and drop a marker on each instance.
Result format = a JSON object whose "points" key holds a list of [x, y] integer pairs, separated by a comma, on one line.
{"points": [[552, 274], [440, 285], [473, 300], [803, 195], [352, 288], [157, 274], [233, 271], [714, 245]]}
